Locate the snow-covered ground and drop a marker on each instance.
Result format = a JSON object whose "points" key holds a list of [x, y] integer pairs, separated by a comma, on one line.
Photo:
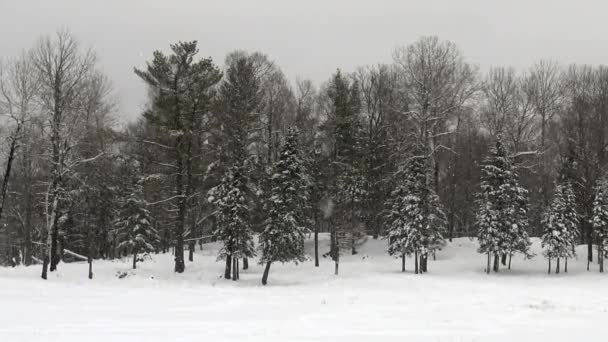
{"points": [[371, 300]]}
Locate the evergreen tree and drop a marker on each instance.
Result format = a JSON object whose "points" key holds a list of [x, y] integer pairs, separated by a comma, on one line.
{"points": [[560, 227], [239, 101], [349, 186], [233, 225], [599, 220], [415, 219], [134, 230], [282, 239], [502, 209], [183, 93]]}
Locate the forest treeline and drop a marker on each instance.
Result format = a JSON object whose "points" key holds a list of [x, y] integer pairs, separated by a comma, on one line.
{"points": [[417, 151]]}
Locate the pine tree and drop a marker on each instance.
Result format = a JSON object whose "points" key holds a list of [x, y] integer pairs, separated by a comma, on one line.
{"points": [[415, 220], [502, 209], [560, 227], [282, 239], [183, 93], [233, 225], [568, 177], [572, 220], [134, 229], [599, 220]]}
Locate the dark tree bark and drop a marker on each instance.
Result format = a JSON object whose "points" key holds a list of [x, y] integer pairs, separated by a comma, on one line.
{"points": [[235, 269], [316, 242], [9, 165], [488, 265], [134, 260], [503, 259], [228, 269], [423, 262], [191, 246], [549, 268], [510, 256], [416, 262], [245, 263], [402, 262], [180, 266], [566, 265], [90, 260], [45, 265], [496, 262], [337, 263], [589, 244], [265, 275]]}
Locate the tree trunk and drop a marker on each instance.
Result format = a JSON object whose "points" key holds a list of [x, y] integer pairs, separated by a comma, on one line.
{"points": [[510, 256], [55, 255], [416, 270], [337, 263], [180, 266], [488, 265], [566, 265], [9, 164], [45, 265], [191, 247], [503, 259], [134, 260], [423, 262], [557, 266], [589, 244], [601, 257], [245, 263], [402, 262], [549, 269], [265, 275], [496, 262], [227, 270], [90, 267], [316, 242], [235, 269]]}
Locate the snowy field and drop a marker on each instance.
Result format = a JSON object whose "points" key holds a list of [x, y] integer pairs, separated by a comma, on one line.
{"points": [[371, 300]]}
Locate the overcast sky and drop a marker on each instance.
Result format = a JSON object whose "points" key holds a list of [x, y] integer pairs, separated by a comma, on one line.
{"points": [[310, 38]]}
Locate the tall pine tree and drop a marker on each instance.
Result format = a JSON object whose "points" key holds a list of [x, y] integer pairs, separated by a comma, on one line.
{"points": [[415, 220], [560, 227], [282, 239], [233, 223], [502, 209]]}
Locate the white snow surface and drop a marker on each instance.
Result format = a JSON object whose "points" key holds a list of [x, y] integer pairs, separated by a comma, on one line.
{"points": [[371, 300]]}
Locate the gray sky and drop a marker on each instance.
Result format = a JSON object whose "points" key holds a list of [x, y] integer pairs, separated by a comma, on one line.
{"points": [[310, 38]]}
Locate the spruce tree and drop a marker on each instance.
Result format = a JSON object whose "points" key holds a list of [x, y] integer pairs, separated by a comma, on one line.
{"points": [[232, 214], [134, 229], [349, 186], [415, 220], [282, 239], [560, 227], [599, 220], [502, 208]]}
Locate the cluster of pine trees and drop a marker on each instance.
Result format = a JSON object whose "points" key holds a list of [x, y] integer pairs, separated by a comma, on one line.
{"points": [[417, 151]]}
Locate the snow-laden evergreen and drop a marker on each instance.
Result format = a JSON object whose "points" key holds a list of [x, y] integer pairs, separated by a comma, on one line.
{"points": [[502, 209], [415, 219], [282, 239], [233, 218], [599, 220], [560, 227], [134, 231]]}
